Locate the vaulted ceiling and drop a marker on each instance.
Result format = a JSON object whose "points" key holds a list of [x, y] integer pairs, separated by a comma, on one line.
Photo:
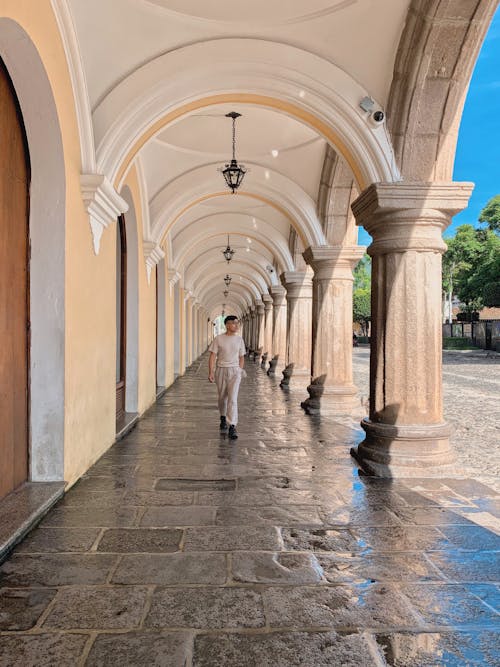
{"points": [[191, 211]]}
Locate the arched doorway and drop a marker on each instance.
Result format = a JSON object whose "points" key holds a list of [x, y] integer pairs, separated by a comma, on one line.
{"points": [[14, 290], [121, 316]]}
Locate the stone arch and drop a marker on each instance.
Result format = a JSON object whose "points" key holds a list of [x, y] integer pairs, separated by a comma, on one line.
{"points": [[252, 283], [204, 182], [202, 266], [241, 297], [430, 83], [276, 75], [337, 191], [275, 246], [296, 250], [47, 236]]}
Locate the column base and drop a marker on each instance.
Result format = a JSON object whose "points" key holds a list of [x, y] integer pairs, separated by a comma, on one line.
{"points": [[263, 361], [414, 450], [295, 377], [275, 367], [330, 400]]}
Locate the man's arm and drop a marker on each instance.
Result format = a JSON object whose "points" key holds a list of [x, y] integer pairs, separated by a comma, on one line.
{"points": [[211, 366], [242, 362]]}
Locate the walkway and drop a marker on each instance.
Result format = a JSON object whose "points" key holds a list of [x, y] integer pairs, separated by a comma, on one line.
{"points": [[181, 548]]}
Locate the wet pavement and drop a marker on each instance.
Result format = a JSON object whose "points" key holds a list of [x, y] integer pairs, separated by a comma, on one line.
{"points": [[180, 547]]}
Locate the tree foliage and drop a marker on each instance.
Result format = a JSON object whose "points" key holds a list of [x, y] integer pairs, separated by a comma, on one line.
{"points": [[361, 296], [363, 273], [471, 267], [491, 214], [361, 302]]}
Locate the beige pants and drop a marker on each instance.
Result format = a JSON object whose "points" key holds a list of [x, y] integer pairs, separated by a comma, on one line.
{"points": [[228, 382]]}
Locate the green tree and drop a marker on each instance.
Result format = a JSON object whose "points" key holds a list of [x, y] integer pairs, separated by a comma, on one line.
{"points": [[471, 267], [361, 296], [491, 214], [361, 302], [484, 281], [363, 273]]}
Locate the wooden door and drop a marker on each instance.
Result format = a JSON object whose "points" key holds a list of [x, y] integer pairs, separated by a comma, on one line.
{"points": [[121, 316], [14, 290]]}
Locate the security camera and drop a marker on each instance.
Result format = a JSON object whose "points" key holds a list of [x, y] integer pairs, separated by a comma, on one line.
{"points": [[270, 268], [378, 116]]}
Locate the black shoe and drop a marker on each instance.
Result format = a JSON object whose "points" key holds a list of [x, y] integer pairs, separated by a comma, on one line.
{"points": [[223, 424], [232, 432]]}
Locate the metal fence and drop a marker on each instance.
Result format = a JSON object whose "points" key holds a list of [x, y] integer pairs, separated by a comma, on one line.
{"points": [[484, 333]]}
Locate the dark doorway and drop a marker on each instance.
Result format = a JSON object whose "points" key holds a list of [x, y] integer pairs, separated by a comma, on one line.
{"points": [[121, 316]]}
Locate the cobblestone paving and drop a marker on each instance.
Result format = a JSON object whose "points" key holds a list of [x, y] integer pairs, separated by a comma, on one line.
{"points": [[471, 392], [182, 548]]}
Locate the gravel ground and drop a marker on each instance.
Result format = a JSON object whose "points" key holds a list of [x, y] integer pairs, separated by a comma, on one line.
{"points": [[471, 381]]}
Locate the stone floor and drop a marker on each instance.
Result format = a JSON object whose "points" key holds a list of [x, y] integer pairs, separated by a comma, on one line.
{"points": [[182, 548]]}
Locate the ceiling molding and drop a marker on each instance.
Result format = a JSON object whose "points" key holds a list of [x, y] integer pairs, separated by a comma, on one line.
{"points": [[69, 38]]}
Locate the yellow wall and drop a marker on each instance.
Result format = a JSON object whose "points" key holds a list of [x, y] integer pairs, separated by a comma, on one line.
{"points": [[147, 307], [90, 280], [90, 334]]}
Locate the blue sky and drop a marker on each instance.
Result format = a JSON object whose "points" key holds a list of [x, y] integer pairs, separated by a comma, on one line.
{"points": [[478, 149]]}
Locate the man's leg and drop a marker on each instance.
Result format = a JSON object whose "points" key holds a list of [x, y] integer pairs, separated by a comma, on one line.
{"points": [[221, 383], [233, 385]]}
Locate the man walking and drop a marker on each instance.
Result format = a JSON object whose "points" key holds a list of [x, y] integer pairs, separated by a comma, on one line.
{"points": [[229, 350]]}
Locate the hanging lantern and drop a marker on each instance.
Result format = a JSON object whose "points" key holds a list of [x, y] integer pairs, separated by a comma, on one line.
{"points": [[225, 293], [228, 252], [227, 280], [234, 172]]}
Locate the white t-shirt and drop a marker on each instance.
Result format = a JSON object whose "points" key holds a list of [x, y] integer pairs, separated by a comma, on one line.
{"points": [[228, 349]]}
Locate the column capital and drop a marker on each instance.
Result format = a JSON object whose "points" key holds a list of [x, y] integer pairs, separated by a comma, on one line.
{"points": [[409, 216], [296, 277], [298, 284], [259, 307], [330, 262], [278, 294]]}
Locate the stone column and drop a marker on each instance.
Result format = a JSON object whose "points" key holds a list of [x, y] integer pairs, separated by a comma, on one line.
{"points": [[332, 390], [259, 321], [268, 328], [248, 329], [204, 335], [298, 285], [405, 432], [244, 328], [277, 362], [252, 329]]}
